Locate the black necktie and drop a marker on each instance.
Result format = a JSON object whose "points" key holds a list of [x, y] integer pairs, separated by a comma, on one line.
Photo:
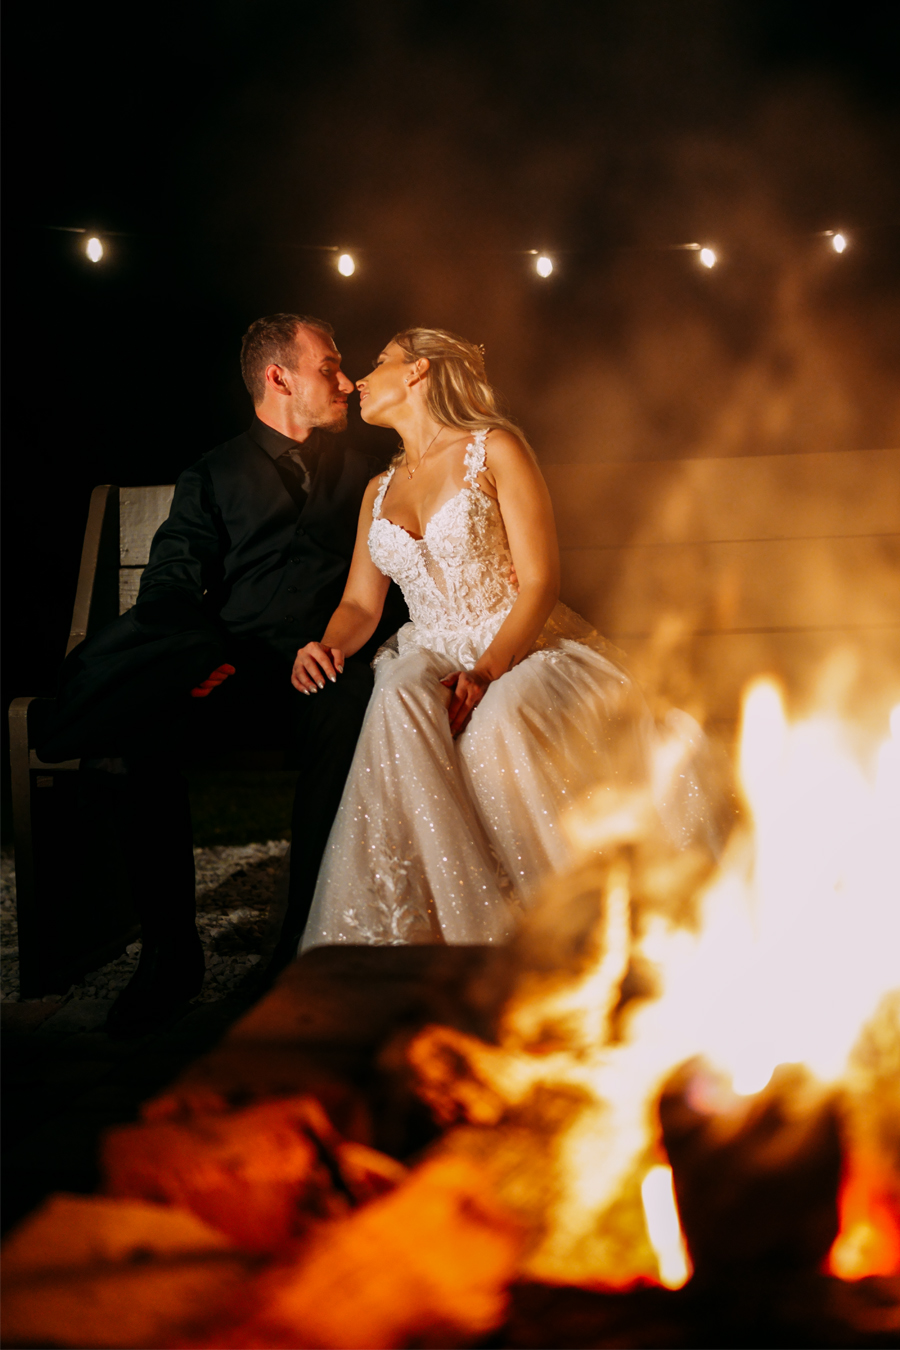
{"points": [[294, 477]]}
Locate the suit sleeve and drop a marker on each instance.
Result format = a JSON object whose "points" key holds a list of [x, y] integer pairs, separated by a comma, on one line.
{"points": [[186, 558]]}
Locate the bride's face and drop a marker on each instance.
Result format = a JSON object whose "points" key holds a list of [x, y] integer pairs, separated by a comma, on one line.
{"points": [[386, 389]]}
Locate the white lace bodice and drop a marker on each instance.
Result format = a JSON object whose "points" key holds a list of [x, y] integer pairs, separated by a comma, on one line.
{"points": [[456, 578]]}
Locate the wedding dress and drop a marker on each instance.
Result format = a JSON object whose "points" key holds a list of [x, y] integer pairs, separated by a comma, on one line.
{"points": [[442, 840]]}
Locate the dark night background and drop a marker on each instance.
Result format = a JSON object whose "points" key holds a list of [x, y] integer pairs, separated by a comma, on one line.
{"points": [[438, 141]]}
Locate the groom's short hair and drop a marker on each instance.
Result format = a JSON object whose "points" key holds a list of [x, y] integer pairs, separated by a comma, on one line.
{"points": [[271, 341]]}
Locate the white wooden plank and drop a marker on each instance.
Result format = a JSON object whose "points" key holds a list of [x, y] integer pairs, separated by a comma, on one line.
{"points": [[129, 582], [858, 670], [141, 512], [767, 497], [793, 583]]}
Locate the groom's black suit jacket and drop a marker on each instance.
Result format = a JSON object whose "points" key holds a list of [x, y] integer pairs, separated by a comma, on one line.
{"points": [[244, 568]]}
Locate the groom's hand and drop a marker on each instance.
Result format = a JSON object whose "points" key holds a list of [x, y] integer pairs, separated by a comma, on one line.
{"points": [[312, 663], [467, 690]]}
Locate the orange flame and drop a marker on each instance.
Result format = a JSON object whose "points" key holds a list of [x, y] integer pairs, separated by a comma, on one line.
{"points": [[869, 1239], [664, 1227], [799, 943]]}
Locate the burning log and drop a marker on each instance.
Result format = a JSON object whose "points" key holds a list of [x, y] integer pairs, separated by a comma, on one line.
{"points": [[798, 1311], [429, 1265], [260, 1175], [556, 1112], [89, 1271], [756, 1178]]}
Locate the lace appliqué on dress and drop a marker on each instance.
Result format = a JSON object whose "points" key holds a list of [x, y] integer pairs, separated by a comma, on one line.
{"points": [[476, 458], [395, 911]]}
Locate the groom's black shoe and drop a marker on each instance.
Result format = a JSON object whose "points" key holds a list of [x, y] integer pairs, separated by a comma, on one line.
{"points": [[167, 977]]}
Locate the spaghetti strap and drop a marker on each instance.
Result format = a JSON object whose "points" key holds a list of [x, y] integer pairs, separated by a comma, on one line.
{"points": [[476, 457], [376, 505]]}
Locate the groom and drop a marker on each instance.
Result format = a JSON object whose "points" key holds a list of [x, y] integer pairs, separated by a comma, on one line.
{"points": [[247, 568]]}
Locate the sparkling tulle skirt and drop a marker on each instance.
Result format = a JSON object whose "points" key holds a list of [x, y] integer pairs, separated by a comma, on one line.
{"points": [[442, 840]]}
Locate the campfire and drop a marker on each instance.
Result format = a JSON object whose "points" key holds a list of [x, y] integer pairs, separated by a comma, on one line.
{"points": [[667, 1114]]}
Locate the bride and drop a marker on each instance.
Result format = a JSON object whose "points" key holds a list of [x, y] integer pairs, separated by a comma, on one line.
{"points": [[494, 707]]}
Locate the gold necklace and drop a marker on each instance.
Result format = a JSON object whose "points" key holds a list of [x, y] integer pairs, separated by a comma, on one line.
{"points": [[409, 471]]}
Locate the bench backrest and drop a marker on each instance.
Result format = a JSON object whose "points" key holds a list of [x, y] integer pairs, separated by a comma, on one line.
{"points": [[141, 512], [120, 528], [705, 571]]}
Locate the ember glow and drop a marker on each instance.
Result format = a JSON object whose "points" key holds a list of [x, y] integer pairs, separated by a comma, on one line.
{"points": [[346, 265], [94, 249]]}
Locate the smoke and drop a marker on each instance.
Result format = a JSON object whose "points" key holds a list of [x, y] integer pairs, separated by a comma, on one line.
{"points": [[603, 132], [439, 148]]}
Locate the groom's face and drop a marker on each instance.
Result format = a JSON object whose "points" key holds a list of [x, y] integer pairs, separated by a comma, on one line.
{"points": [[319, 388]]}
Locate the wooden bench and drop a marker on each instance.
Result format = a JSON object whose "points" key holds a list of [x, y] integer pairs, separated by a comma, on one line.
{"points": [[705, 572]]}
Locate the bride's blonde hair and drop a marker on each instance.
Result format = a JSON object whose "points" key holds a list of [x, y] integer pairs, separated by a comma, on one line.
{"points": [[457, 391]]}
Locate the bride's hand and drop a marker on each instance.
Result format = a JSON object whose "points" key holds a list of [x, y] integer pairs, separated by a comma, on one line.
{"points": [[312, 662], [468, 689]]}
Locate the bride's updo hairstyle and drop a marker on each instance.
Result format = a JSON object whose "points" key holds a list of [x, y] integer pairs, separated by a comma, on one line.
{"points": [[457, 391]]}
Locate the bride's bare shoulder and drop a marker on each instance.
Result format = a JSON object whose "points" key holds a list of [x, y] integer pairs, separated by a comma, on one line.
{"points": [[506, 451], [501, 441], [373, 487]]}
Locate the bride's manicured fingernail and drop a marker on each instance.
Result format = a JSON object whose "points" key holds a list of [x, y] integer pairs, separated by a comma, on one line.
{"points": [[332, 678]]}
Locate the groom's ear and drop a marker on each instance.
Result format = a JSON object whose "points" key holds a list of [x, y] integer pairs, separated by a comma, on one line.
{"points": [[278, 379]]}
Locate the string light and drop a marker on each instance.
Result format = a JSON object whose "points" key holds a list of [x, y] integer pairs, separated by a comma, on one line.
{"points": [[837, 239], [544, 265]]}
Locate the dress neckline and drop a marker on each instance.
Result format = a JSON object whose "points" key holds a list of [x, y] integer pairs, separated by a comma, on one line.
{"points": [[472, 470]]}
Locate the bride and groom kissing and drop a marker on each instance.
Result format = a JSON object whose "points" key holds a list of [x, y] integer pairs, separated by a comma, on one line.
{"points": [[397, 634]]}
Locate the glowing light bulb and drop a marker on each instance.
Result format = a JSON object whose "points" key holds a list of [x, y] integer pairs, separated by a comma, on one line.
{"points": [[94, 249], [544, 265], [838, 242], [345, 265], [708, 257]]}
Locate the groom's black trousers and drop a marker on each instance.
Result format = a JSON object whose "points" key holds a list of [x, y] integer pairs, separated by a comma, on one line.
{"points": [[136, 774]]}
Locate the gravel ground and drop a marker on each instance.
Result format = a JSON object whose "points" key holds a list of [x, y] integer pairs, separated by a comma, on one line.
{"points": [[237, 889]]}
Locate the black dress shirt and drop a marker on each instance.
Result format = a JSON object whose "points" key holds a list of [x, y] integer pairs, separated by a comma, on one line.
{"points": [[292, 466], [242, 551]]}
